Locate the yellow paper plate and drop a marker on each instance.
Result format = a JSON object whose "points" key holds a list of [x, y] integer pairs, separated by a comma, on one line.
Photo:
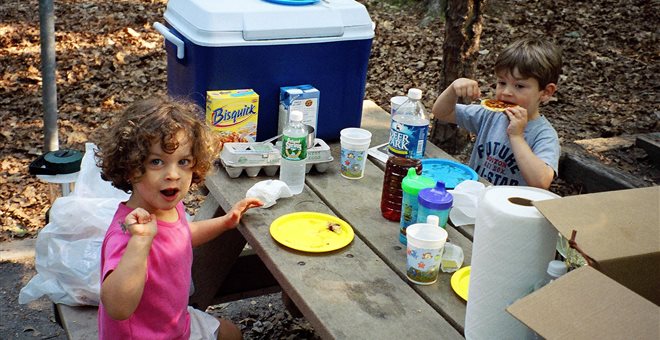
{"points": [[309, 231], [460, 282]]}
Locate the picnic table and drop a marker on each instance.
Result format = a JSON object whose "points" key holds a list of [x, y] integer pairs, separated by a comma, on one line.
{"points": [[355, 292], [358, 291]]}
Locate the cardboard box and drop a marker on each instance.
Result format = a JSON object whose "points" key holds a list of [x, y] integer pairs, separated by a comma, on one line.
{"points": [[620, 230], [233, 114], [585, 304], [303, 98]]}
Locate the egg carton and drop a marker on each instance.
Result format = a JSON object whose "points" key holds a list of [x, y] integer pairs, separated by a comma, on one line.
{"points": [[253, 157]]}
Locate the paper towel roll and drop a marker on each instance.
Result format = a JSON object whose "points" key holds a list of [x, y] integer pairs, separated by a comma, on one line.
{"points": [[513, 244]]}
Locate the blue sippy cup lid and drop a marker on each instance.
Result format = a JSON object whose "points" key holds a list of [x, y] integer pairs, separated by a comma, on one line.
{"points": [[436, 198]]}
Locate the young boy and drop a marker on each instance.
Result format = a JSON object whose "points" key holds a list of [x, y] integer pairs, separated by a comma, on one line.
{"points": [[155, 151], [517, 146]]}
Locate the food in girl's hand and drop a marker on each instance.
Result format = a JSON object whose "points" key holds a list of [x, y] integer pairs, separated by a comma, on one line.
{"points": [[496, 105]]}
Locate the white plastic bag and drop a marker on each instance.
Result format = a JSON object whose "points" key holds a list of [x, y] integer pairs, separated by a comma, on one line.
{"points": [[90, 184], [68, 249]]}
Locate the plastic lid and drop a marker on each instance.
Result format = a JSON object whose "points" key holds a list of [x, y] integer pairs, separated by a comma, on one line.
{"points": [[296, 116], [219, 23], [413, 182], [450, 172], [433, 219], [58, 162], [436, 198], [415, 94], [557, 268]]}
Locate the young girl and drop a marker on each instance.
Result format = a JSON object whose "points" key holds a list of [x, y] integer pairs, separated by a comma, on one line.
{"points": [[155, 151]]}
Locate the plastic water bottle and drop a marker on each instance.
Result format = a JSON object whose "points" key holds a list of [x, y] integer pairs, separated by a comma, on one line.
{"points": [[409, 128], [555, 269], [294, 153]]}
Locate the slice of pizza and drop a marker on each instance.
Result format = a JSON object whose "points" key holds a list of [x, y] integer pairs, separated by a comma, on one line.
{"points": [[496, 105]]}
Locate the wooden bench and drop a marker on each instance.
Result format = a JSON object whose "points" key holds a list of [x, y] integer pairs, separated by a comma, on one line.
{"points": [[79, 322], [247, 277]]}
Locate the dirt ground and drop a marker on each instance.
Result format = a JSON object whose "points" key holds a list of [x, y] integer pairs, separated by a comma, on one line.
{"points": [[30, 321], [109, 55], [262, 317]]}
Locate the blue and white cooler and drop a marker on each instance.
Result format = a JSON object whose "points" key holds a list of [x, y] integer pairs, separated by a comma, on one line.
{"points": [[264, 45]]}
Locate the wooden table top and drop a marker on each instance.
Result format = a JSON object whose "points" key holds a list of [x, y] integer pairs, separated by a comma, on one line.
{"points": [[361, 290]]}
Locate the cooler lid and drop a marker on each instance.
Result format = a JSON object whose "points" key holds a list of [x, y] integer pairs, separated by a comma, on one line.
{"points": [[255, 22]]}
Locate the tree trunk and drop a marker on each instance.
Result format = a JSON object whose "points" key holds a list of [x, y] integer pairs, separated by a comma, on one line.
{"points": [[463, 25]]}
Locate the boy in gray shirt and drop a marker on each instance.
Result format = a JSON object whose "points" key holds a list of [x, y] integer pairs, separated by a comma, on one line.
{"points": [[517, 146]]}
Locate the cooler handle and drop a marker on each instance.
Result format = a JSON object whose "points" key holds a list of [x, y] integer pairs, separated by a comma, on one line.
{"points": [[171, 38]]}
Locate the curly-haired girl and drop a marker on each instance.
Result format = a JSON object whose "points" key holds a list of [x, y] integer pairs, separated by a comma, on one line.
{"points": [[155, 151]]}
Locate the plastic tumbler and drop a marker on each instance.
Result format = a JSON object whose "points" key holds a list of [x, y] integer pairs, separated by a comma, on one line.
{"points": [[395, 102], [354, 145], [424, 251], [411, 186], [434, 201]]}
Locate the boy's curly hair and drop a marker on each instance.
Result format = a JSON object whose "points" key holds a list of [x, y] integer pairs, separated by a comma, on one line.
{"points": [[532, 57], [123, 148]]}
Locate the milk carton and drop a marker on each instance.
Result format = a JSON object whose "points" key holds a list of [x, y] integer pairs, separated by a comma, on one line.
{"points": [[304, 98], [233, 114]]}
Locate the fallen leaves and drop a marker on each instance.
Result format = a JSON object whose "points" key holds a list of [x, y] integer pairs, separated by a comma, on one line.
{"points": [[108, 56]]}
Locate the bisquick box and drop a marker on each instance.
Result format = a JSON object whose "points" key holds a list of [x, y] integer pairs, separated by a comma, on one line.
{"points": [[253, 157], [233, 114], [303, 98]]}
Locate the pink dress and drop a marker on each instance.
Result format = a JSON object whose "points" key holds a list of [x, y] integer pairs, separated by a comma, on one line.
{"points": [[162, 311]]}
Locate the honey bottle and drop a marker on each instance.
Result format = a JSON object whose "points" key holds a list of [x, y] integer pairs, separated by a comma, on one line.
{"points": [[396, 169]]}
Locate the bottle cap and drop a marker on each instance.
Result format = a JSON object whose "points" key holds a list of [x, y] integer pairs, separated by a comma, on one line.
{"points": [[557, 268], [436, 198], [433, 219], [296, 116], [413, 182], [415, 94]]}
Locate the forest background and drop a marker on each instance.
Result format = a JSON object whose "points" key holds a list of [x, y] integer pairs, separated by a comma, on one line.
{"points": [[109, 55]]}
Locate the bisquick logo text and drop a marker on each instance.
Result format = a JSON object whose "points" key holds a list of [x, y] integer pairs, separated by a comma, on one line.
{"points": [[221, 115]]}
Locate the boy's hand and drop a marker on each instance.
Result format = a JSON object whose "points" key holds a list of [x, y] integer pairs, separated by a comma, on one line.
{"points": [[140, 223], [240, 207], [517, 120], [466, 88]]}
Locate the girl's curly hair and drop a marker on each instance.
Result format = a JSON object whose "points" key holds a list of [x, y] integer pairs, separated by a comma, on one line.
{"points": [[123, 148]]}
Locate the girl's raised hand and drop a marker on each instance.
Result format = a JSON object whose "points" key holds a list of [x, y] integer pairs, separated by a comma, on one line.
{"points": [[140, 222]]}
